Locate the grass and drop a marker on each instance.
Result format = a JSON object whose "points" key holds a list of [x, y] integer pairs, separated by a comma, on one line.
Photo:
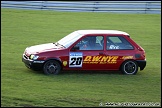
{"points": [[23, 87]]}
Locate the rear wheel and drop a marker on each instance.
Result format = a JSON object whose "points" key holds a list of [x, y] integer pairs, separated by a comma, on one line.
{"points": [[52, 67], [129, 67]]}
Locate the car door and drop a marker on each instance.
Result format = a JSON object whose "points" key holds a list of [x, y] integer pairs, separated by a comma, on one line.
{"points": [[87, 53], [118, 49]]}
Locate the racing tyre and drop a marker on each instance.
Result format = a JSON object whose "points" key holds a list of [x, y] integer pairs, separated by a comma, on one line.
{"points": [[129, 67], [52, 67]]}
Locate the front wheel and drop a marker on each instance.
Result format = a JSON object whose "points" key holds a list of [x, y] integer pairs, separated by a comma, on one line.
{"points": [[52, 67], [129, 67]]}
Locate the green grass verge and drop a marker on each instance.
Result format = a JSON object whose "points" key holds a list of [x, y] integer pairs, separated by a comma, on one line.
{"points": [[23, 87]]}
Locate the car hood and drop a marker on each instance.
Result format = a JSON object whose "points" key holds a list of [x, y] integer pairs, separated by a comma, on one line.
{"points": [[42, 48]]}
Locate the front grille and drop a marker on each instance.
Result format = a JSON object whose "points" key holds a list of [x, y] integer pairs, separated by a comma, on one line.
{"points": [[25, 56]]}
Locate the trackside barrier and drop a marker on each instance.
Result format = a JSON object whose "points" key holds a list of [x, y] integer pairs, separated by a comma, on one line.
{"points": [[143, 7]]}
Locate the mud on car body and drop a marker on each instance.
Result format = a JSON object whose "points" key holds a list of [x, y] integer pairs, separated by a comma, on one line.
{"points": [[87, 50]]}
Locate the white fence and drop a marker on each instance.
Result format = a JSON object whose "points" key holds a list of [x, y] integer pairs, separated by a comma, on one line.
{"points": [[144, 7]]}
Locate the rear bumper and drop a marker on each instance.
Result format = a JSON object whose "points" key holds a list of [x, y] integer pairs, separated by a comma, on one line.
{"points": [[141, 64]]}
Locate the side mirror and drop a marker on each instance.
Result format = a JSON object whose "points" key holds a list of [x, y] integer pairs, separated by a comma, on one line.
{"points": [[75, 48]]}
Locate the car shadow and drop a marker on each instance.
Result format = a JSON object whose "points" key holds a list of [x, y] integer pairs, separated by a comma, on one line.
{"points": [[89, 72], [70, 72]]}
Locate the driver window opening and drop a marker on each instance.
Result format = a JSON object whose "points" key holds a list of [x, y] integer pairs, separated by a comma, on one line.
{"points": [[91, 43]]}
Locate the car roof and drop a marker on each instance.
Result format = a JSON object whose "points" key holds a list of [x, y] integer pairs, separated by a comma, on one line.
{"points": [[101, 32]]}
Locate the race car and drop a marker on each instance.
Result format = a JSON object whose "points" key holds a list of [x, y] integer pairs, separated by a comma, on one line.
{"points": [[87, 50]]}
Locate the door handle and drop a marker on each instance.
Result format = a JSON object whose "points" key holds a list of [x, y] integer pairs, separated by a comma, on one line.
{"points": [[101, 53]]}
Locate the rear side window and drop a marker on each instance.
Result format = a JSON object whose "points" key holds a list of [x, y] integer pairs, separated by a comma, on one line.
{"points": [[117, 42]]}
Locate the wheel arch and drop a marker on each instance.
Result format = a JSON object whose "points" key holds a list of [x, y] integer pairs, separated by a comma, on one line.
{"points": [[56, 59], [120, 69], [126, 61]]}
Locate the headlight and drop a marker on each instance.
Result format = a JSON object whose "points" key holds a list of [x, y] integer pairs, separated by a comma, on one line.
{"points": [[33, 57]]}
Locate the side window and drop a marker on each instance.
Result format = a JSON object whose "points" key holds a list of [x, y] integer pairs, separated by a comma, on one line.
{"points": [[117, 42], [91, 43]]}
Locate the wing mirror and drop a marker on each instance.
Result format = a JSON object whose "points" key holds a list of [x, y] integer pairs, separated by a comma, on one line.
{"points": [[75, 48]]}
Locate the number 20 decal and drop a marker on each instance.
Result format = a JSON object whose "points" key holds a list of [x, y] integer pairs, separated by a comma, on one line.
{"points": [[75, 59]]}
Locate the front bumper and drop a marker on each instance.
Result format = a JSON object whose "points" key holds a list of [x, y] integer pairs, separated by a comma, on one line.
{"points": [[141, 64], [32, 64]]}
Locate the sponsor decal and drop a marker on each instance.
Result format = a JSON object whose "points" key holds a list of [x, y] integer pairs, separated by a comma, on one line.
{"points": [[101, 59], [64, 63], [76, 59], [127, 57], [38, 61]]}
